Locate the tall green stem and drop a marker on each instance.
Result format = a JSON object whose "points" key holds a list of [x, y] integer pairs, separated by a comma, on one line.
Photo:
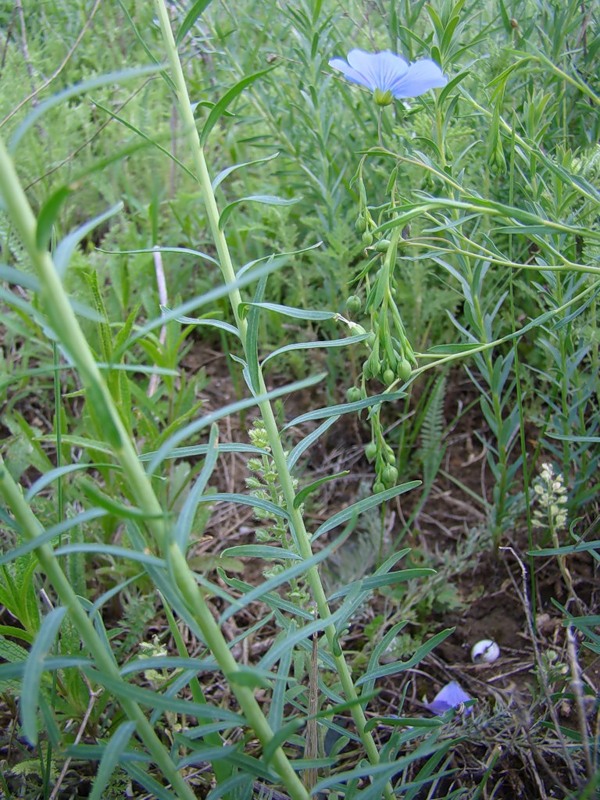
{"points": [[296, 519]]}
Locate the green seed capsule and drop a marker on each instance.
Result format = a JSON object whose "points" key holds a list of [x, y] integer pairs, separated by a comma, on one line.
{"points": [[353, 394], [404, 369], [353, 305], [389, 376], [378, 487], [371, 451], [383, 245], [367, 239], [389, 476], [361, 224]]}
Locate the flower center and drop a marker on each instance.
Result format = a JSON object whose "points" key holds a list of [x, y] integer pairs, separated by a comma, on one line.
{"points": [[383, 98]]}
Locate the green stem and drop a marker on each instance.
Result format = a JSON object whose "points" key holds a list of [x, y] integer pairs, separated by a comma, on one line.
{"points": [[244, 695], [31, 529], [279, 457]]}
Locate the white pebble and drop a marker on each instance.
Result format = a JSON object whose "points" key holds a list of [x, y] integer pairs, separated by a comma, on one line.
{"points": [[486, 650]]}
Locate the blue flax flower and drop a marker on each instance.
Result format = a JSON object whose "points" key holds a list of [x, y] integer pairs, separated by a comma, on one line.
{"points": [[450, 696], [388, 75]]}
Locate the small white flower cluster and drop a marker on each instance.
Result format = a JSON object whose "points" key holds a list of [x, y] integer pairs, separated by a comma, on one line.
{"points": [[551, 497]]}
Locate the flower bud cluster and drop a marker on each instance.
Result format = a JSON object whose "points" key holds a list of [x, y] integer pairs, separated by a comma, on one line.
{"points": [[264, 485], [551, 500]]}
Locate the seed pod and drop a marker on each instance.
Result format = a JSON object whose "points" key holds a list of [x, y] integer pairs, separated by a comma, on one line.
{"points": [[383, 245], [389, 376], [389, 476], [378, 487], [367, 239], [353, 305], [371, 451], [361, 224], [404, 369], [353, 394]]}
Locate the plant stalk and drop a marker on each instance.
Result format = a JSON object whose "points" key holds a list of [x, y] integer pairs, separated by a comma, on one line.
{"points": [[285, 478]]}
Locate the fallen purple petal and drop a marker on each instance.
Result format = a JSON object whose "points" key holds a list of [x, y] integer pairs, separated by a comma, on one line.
{"points": [[450, 696]]}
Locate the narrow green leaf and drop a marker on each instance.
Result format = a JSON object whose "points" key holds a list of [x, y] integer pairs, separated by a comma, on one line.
{"points": [[263, 199], [228, 98], [202, 449], [185, 521], [74, 91], [57, 473], [309, 440], [288, 311], [51, 533], [312, 487], [154, 699], [110, 758], [111, 550], [344, 408], [47, 216], [251, 348], [190, 19], [251, 678], [402, 666], [388, 579], [114, 506], [325, 344], [34, 668], [65, 249], [226, 172], [153, 787], [449, 349], [213, 323], [363, 505], [165, 450], [261, 551]]}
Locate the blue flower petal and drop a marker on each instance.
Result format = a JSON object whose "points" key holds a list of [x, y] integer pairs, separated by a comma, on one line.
{"points": [[450, 696], [381, 70], [349, 73], [420, 77], [387, 72]]}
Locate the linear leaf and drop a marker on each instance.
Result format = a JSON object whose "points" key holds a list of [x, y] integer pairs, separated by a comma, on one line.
{"points": [[165, 450], [324, 344], [187, 514], [34, 667], [110, 758], [289, 311], [312, 487], [226, 172], [228, 97], [363, 505], [309, 440], [77, 89], [47, 216], [65, 249], [402, 666], [261, 551], [51, 533], [345, 408], [263, 199], [190, 19], [111, 550]]}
